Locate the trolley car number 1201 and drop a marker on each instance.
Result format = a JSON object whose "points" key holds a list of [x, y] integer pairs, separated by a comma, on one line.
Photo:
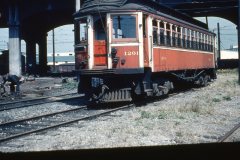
{"points": [[131, 53]]}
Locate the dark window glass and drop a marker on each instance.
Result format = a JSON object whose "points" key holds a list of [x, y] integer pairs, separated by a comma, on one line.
{"points": [[155, 36], [162, 37], [161, 24], [124, 26], [168, 38], [174, 39], [100, 28]]}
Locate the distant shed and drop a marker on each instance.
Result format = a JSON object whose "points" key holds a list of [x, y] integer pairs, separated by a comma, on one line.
{"points": [[228, 59]]}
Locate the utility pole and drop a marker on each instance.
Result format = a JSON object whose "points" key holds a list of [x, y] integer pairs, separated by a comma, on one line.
{"points": [[219, 43], [207, 22], [238, 27], [53, 39]]}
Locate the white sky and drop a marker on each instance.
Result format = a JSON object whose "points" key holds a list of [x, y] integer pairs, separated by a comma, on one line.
{"points": [[64, 37]]}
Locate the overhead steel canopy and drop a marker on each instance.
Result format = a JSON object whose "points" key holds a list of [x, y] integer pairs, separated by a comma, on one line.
{"points": [[31, 10], [227, 9]]}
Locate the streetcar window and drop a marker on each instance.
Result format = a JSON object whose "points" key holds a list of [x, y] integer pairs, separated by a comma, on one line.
{"points": [[174, 36], [168, 26], [155, 23], [155, 36], [188, 38], [206, 42], [83, 30], [168, 38], [124, 26], [162, 30], [178, 37], [161, 24], [192, 40], [168, 35], [201, 41], [155, 32], [100, 28], [184, 38], [210, 44], [162, 41], [198, 41], [204, 45]]}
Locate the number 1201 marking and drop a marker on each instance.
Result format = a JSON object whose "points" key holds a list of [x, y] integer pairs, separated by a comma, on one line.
{"points": [[131, 53]]}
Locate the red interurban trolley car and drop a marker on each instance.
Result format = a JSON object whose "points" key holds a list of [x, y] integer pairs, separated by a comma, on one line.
{"points": [[127, 49]]}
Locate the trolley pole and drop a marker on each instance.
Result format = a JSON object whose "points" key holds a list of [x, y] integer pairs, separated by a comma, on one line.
{"points": [[238, 27]]}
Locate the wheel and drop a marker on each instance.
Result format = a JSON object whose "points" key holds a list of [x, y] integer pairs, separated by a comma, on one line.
{"points": [[99, 93]]}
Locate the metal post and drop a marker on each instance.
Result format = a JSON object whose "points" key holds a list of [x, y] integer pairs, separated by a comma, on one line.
{"points": [[53, 39], [42, 41], [14, 41], [77, 5], [238, 41], [219, 43], [31, 55]]}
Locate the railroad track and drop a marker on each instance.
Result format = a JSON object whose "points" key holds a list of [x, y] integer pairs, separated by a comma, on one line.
{"points": [[18, 128], [225, 137], [23, 127], [37, 101]]}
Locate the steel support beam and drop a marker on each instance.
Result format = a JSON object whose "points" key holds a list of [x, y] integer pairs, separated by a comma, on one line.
{"points": [[43, 68], [14, 41], [31, 56]]}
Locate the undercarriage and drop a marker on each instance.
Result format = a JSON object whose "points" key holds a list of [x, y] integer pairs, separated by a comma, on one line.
{"points": [[105, 88]]}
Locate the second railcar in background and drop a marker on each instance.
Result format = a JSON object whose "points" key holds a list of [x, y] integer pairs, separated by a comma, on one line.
{"points": [[128, 49]]}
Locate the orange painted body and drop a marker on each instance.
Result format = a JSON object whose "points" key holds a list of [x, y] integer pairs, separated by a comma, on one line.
{"points": [[171, 60], [129, 55], [100, 53]]}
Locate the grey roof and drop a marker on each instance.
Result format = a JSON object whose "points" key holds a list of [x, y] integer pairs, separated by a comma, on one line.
{"points": [[96, 6]]}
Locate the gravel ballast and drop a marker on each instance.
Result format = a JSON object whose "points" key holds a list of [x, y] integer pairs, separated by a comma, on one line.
{"points": [[201, 115]]}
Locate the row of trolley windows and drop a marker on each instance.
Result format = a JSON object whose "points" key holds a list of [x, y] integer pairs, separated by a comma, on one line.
{"points": [[166, 34]]}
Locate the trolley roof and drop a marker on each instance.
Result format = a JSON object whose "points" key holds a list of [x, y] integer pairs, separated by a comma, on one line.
{"points": [[155, 8]]}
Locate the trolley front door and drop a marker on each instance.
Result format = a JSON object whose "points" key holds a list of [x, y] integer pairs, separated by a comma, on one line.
{"points": [[100, 44]]}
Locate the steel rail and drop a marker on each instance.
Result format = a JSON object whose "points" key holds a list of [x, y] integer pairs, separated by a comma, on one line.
{"points": [[64, 123], [81, 119], [229, 133], [37, 102], [41, 116], [32, 99]]}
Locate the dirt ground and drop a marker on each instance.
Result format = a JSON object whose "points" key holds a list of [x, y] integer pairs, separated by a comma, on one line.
{"points": [[44, 86], [202, 115]]}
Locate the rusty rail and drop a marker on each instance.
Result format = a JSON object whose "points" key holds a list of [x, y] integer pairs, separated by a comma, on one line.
{"points": [[228, 134]]}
